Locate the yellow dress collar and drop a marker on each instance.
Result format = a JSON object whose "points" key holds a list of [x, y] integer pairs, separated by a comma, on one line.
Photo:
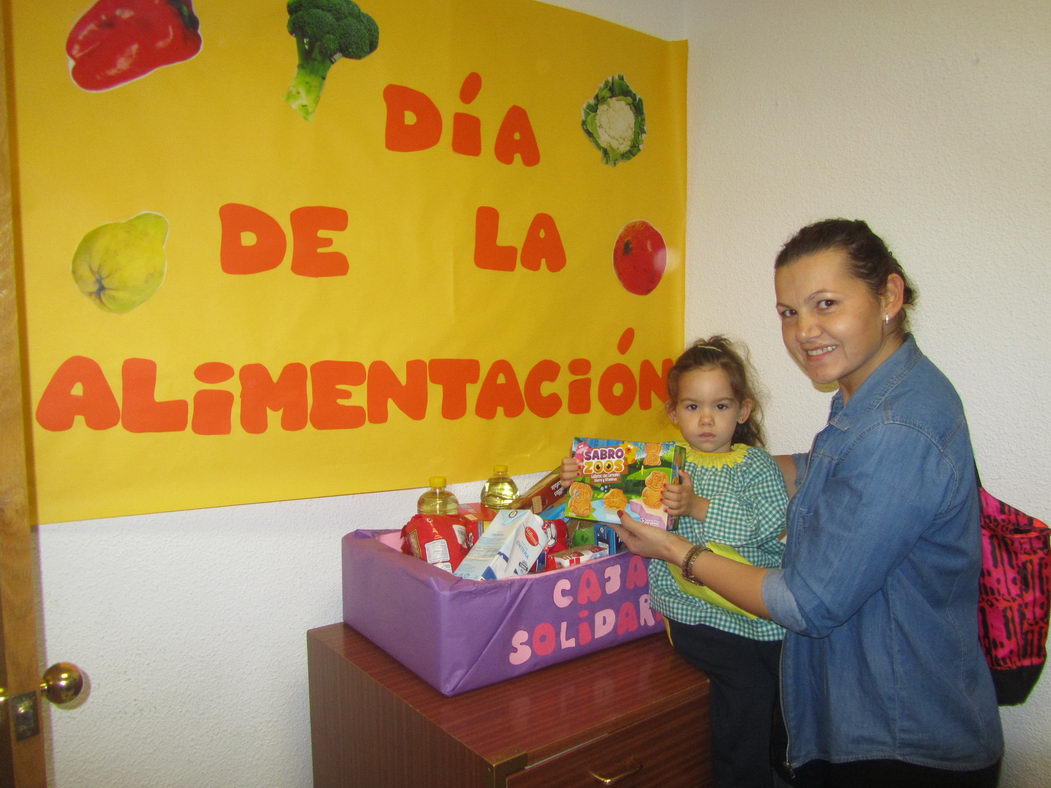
{"points": [[717, 459]]}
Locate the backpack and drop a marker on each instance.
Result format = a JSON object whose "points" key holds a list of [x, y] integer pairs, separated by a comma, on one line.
{"points": [[1013, 597]]}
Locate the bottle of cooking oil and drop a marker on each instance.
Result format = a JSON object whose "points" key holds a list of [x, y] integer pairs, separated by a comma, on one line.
{"points": [[437, 499], [500, 491]]}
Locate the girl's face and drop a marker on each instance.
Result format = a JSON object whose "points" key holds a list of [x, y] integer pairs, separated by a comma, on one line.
{"points": [[707, 412], [831, 323]]}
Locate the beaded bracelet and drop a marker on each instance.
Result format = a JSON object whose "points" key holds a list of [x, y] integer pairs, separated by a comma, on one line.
{"points": [[689, 558]]}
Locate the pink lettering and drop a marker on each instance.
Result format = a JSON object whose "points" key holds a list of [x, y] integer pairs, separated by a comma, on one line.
{"points": [[544, 639], [590, 590], [647, 615], [559, 596], [564, 640], [627, 619], [604, 622], [612, 578], [520, 649]]}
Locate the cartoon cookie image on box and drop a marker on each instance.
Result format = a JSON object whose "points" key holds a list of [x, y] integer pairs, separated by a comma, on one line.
{"points": [[579, 503], [655, 483], [615, 500], [653, 454]]}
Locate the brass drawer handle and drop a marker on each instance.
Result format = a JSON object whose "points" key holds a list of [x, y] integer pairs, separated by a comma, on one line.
{"points": [[634, 768]]}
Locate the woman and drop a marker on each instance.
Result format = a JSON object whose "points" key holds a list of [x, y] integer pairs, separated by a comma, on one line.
{"points": [[883, 680]]}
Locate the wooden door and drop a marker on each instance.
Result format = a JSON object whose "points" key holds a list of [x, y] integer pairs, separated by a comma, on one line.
{"points": [[21, 761]]}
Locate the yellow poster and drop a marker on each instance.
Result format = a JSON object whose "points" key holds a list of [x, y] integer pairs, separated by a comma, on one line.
{"points": [[275, 252]]}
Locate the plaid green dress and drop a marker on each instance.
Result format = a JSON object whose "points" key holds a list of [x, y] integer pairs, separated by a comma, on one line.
{"points": [[747, 512]]}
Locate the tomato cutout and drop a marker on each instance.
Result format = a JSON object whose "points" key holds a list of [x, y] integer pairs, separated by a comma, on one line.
{"points": [[639, 257]]}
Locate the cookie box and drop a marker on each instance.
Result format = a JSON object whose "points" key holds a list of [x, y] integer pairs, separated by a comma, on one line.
{"points": [[629, 476], [459, 634]]}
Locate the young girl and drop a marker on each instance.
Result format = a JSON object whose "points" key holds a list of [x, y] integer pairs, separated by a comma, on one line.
{"points": [[731, 492]]}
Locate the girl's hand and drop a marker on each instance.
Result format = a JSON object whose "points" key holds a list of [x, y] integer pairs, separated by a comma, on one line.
{"points": [[680, 499], [678, 495], [570, 469]]}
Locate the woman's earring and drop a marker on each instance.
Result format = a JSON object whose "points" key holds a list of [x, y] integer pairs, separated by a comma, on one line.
{"points": [[886, 320]]}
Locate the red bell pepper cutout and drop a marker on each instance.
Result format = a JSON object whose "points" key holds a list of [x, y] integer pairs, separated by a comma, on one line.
{"points": [[117, 41]]}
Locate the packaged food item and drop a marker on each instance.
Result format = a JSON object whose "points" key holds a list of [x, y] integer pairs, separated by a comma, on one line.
{"points": [[556, 511], [509, 546], [582, 532], [579, 555], [500, 490], [475, 523], [627, 476], [479, 512], [606, 537], [439, 539], [558, 530], [543, 494], [437, 499]]}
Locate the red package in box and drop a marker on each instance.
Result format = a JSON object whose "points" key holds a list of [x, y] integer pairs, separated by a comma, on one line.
{"points": [[441, 540], [559, 541], [579, 555], [477, 511]]}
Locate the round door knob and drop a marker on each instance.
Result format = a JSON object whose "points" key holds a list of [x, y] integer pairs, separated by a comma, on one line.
{"points": [[62, 682]]}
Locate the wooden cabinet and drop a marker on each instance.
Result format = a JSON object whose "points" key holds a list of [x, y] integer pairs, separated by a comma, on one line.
{"points": [[633, 715]]}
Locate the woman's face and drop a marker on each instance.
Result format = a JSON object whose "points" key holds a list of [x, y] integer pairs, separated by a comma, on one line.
{"points": [[831, 322]]}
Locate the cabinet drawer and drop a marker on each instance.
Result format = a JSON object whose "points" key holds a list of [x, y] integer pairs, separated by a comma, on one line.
{"points": [[667, 750]]}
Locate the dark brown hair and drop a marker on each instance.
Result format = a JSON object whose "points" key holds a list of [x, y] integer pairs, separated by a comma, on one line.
{"points": [[718, 351], [871, 260]]}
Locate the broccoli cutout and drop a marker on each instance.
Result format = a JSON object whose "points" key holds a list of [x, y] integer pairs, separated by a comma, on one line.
{"points": [[325, 31]]}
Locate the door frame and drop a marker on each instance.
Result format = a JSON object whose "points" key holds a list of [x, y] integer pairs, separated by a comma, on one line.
{"points": [[22, 763]]}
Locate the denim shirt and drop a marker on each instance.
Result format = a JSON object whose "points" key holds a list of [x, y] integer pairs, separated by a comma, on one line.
{"points": [[879, 586]]}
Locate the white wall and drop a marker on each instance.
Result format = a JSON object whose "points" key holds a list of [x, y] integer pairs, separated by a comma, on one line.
{"points": [[930, 120]]}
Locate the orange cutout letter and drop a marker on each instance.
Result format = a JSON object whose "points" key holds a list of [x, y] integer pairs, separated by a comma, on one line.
{"points": [[488, 253], [237, 257], [426, 128], [140, 411], [516, 138], [307, 259], [59, 406], [543, 243]]}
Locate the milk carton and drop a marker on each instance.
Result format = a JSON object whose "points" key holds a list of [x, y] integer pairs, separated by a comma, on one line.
{"points": [[509, 546]]}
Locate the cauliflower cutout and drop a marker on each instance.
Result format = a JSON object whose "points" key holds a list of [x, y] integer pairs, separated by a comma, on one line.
{"points": [[614, 121]]}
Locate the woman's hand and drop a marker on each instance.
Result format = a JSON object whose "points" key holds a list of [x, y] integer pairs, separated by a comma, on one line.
{"points": [[651, 541], [741, 583], [679, 498], [570, 470]]}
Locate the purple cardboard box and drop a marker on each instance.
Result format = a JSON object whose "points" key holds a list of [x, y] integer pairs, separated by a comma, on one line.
{"points": [[459, 634]]}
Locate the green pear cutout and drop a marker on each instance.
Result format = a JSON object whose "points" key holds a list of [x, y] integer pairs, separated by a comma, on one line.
{"points": [[120, 265]]}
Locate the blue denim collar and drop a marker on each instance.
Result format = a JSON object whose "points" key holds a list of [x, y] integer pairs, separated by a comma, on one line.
{"points": [[877, 386]]}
